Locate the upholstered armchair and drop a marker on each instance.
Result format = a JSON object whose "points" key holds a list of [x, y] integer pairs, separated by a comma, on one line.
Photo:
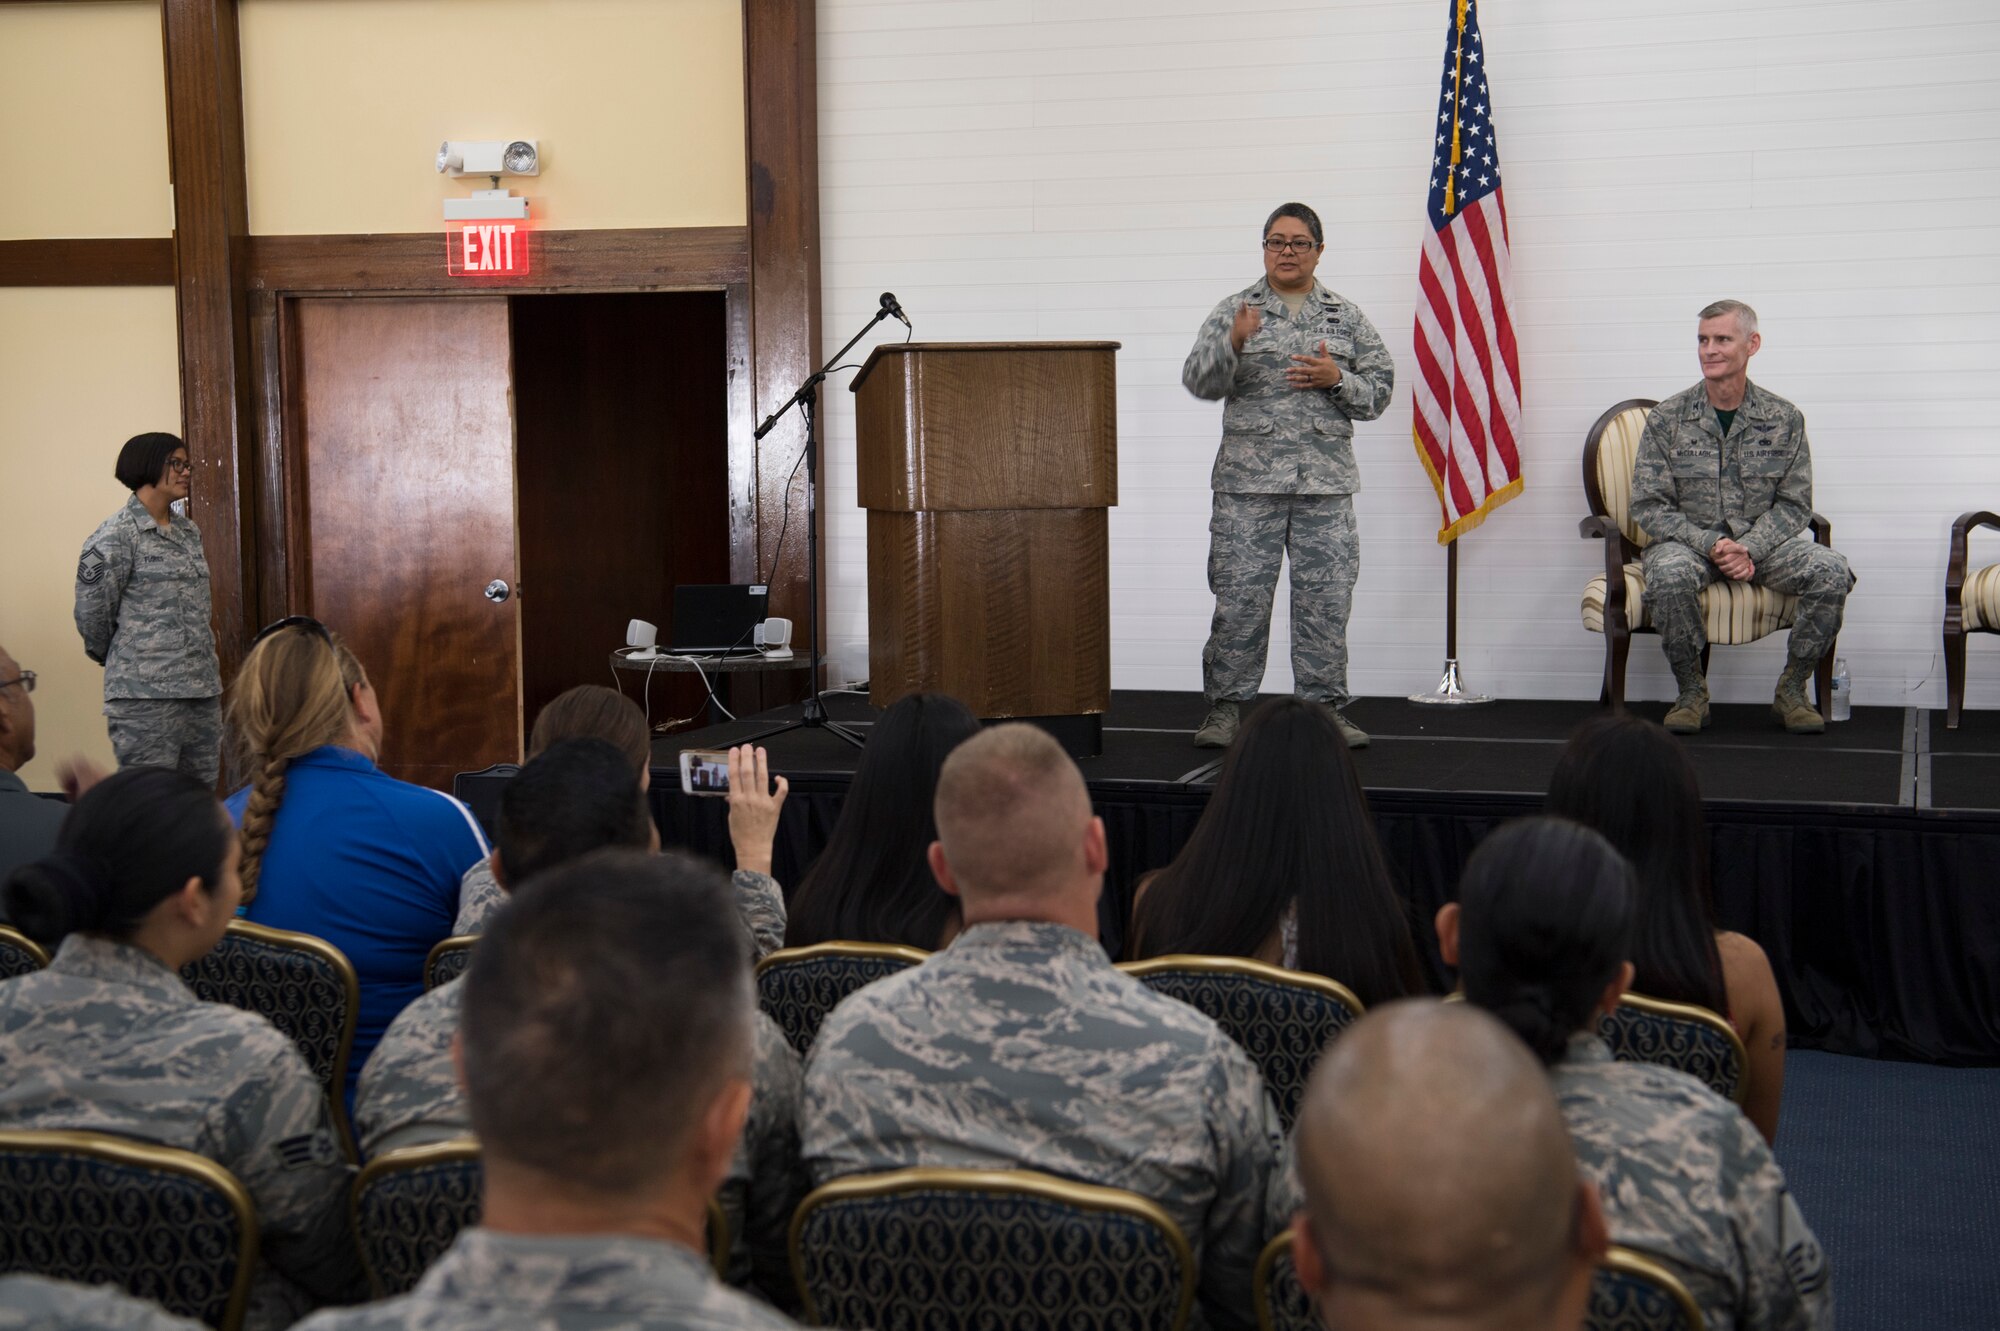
{"points": [[1614, 602], [1971, 605]]}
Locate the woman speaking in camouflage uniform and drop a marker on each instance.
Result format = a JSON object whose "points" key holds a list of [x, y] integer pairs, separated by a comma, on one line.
{"points": [[142, 606], [1296, 366]]}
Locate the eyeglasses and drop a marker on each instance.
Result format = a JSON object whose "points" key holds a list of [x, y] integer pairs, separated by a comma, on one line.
{"points": [[26, 679], [179, 466], [306, 622], [1297, 245]]}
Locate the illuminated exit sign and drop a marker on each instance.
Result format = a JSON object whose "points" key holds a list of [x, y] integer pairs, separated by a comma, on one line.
{"points": [[487, 248]]}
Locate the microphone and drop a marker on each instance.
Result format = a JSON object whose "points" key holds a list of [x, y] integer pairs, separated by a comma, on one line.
{"points": [[890, 307]]}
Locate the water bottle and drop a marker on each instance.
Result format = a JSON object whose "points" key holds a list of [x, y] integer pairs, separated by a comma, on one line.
{"points": [[1842, 699]]}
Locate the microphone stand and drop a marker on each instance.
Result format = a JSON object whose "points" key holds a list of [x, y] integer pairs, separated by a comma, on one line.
{"points": [[806, 399]]}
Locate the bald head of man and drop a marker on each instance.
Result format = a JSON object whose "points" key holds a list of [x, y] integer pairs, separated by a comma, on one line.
{"points": [[1016, 837], [1441, 1189]]}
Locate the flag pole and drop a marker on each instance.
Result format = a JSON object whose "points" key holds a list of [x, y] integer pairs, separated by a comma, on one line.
{"points": [[1449, 691]]}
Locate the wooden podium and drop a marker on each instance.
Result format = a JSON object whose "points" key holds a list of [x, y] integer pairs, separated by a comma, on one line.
{"points": [[988, 470]]}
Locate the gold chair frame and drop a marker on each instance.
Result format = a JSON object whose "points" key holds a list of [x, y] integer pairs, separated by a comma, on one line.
{"points": [[1700, 1016], [1260, 1283], [788, 956], [1628, 1261], [336, 1091], [446, 946], [1956, 558], [169, 1160], [1619, 551], [1021, 1182], [15, 938], [1250, 968]]}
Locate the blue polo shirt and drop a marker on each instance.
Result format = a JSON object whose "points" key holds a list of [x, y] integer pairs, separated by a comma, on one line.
{"points": [[371, 864]]}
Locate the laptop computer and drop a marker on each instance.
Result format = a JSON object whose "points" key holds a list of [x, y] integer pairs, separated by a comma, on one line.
{"points": [[718, 620]]}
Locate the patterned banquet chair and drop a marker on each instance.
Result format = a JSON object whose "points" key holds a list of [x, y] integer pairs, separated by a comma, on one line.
{"points": [[161, 1223], [798, 986], [1691, 1039], [1971, 605], [448, 960], [409, 1205], [304, 985], [1632, 1292], [1282, 1302], [1282, 1018], [956, 1250], [19, 954], [1614, 602]]}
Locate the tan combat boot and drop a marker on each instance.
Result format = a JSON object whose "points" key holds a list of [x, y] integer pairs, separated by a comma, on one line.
{"points": [[1218, 728], [1689, 714], [1356, 737], [1798, 716]]}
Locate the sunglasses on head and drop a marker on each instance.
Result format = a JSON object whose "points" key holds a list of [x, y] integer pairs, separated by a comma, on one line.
{"points": [[306, 622]]}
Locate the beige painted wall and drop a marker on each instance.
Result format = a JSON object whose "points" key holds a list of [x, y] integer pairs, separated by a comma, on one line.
{"points": [[638, 105], [83, 96], [81, 371]]}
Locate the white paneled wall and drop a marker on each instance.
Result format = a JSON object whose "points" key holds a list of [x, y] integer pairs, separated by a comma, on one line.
{"points": [[1100, 168]]}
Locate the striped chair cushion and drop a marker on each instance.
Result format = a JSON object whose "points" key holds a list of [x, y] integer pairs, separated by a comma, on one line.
{"points": [[1617, 447], [1981, 598], [1732, 612]]}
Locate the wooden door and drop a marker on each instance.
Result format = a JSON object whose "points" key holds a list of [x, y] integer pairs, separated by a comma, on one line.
{"points": [[404, 413]]}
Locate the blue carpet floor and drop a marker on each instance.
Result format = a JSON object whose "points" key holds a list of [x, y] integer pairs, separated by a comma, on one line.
{"points": [[1897, 1168]]}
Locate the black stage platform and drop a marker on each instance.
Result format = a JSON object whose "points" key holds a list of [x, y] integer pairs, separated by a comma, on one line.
{"points": [[1864, 860]]}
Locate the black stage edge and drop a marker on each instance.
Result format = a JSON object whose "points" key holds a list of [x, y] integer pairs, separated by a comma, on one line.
{"points": [[1863, 860]]}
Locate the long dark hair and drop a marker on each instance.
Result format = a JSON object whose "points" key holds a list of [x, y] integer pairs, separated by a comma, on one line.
{"points": [[1287, 823], [1545, 921], [872, 883], [1632, 781], [132, 841]]}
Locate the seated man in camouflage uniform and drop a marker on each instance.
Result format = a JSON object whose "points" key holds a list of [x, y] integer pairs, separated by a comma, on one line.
{"points": [[1021, 1046], [606, 1047], [1440, 1187], [578, 796], [1722, 486]]}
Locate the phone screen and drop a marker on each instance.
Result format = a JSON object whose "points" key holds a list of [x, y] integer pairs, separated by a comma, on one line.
{"points": [[704, 772]]}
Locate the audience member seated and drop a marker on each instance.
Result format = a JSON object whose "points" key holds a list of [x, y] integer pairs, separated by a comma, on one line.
{"points": [[1632, 781], [110, 1039], [591, 711], [28, 823], [333, 846], [32, 1303], [1540, 935], [1020, 1045], [1284, 866], [606, 1046], [872, 883], [577, 797], [1441, 1191]]}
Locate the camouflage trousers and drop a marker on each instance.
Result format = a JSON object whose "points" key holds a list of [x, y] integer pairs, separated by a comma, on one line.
{"points": [[182, 733], [1818, 576], [1249, 536]]}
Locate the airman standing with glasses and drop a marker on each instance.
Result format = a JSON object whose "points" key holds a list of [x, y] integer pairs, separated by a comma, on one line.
{"points": [[142, 606], [1295, 366]]}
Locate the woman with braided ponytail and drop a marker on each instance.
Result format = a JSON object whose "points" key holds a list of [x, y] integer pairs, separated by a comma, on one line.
{"points": [[1542, 936], [109, 1038], [332, 845]]}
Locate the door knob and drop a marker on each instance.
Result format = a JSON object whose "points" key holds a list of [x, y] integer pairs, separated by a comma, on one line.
{"points": [[498, 591]]}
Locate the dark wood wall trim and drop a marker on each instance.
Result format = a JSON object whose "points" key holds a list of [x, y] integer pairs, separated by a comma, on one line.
{"points": [[643, 259], [211, 220], [140, 261], [781, 127]]}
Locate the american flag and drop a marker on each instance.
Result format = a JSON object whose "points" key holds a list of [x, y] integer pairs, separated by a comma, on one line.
{"points": [[1468, 387]]}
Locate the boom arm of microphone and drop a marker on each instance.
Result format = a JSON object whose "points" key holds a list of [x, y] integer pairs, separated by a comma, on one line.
{"points": [[812, 382]]}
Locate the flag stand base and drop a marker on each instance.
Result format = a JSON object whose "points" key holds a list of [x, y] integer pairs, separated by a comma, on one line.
{"points": [[1449, 692]]}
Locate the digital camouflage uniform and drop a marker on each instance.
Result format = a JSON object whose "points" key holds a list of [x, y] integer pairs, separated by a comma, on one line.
{"points": [[1691, 487], [1021, 1046], [1686, 1179], [108, 1039], [142, 606], [759, 900], [32, 1303], [1284, 482], [409, 1095], [488, 1281]]}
